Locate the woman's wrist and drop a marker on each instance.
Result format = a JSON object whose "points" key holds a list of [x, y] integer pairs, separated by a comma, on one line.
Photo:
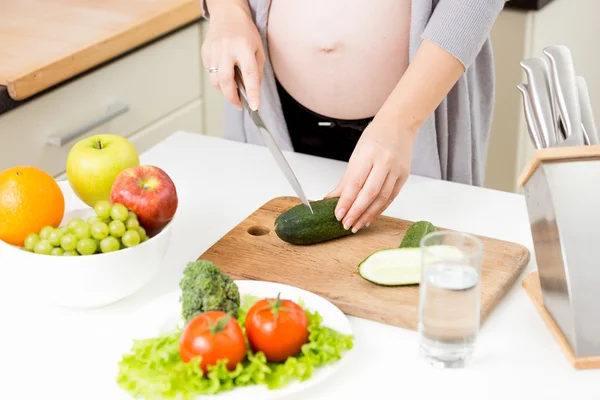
{"points": [[223, 9], [398, 121]]}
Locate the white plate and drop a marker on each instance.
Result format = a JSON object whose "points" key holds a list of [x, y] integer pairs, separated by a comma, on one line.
{"points": [[164, 313]]}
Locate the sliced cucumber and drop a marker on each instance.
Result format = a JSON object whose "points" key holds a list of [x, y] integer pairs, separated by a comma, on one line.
{"points": [[416, 232], [401, 266]]}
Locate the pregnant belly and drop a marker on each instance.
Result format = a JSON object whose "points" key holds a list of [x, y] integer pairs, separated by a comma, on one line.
{"points": [[339, 58]]}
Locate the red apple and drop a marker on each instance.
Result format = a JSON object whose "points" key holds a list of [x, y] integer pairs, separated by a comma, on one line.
{"points": [[149, 192]]}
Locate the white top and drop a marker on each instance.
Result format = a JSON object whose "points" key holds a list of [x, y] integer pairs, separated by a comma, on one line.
{"points": [[77, 351]]}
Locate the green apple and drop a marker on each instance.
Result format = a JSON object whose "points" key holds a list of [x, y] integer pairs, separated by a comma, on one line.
{"points": [[93, 164]]}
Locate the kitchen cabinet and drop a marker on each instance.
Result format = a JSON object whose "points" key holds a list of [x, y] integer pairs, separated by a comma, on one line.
{"points": [[144, 96], [520, 34]]}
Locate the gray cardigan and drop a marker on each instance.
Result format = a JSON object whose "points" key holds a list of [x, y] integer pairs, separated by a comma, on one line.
{"points": [[452, 143]]}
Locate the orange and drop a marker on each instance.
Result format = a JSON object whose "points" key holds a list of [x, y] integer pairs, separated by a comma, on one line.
{"points": [[30, 199]]}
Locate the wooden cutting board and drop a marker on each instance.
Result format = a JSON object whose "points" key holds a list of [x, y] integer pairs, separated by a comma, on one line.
{"points": [[45, 42], [252, 250]]}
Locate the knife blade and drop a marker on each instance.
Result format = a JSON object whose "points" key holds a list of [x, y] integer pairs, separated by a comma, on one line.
{"points": [[270, 141], [541, 99], [588, 123], [565, 89], [529, 116]]}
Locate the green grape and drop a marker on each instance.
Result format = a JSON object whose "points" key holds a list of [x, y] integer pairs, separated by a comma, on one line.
{"points": [[99, 230], [86, 246], [43, 247], [31, 240], [109, 244], [119, 212], [92, 219], [142, 232], [68, 242], [131, 238], [45, 232], [103, 209], [82, 231], [57, 251], [75, 222], [143, 238], [132, 224], [55, 237], [70, 253], [133, 215], [63, 230], [116, 228]]}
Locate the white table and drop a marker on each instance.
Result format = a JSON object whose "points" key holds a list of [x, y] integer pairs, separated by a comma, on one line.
{"points": [[52, 353]]}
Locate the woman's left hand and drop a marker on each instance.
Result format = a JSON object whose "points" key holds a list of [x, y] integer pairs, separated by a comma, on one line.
{"points": [[377, 170]]}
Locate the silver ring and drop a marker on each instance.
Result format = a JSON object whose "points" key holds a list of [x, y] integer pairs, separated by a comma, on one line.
{"points": [[212, 69]]}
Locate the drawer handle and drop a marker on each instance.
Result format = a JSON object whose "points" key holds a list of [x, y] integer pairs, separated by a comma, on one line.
{"points": [[114, 110]]}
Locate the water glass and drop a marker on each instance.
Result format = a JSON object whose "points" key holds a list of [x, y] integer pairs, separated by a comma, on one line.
{"points": [[450, 297]]}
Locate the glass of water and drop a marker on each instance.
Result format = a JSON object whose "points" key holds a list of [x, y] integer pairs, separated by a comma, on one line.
{"points": [[450, 296]]}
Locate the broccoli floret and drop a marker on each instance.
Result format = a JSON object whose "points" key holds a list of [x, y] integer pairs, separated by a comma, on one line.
{"points": [[205, 288]]}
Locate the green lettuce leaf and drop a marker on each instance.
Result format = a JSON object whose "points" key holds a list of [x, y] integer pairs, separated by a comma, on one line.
{"points": [[153, 368]]}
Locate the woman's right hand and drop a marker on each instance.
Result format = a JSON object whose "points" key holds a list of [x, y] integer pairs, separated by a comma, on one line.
{"points": [[233, 39]]}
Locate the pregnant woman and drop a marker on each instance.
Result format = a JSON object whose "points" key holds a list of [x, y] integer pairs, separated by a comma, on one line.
{"points": [[392, 86]]}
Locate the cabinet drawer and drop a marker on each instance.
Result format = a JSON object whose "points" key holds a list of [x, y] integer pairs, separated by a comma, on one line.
{"points": [[120, 98]]}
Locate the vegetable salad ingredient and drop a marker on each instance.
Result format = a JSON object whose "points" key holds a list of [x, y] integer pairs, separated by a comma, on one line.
{"points": [[213, 336], [415, 232], [154, 369], [301, 227], [205, 288], [278, 328], [392, 267], [401, 266]]}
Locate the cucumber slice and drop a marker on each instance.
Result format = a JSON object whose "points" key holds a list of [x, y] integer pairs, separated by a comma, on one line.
{"points": [[399, 266], [415, 232]]}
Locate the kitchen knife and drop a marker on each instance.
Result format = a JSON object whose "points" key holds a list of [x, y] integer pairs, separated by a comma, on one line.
{"points": [[541, 100], [529, 116], [565, 90], [590, 134], [271, 143]]}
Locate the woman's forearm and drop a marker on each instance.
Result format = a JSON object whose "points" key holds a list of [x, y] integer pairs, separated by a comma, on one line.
{"points": [[220, 8], [428, 79]]}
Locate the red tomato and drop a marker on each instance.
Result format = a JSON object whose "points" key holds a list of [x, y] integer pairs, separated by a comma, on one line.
{"points": [[276, 327], [213, 335]]}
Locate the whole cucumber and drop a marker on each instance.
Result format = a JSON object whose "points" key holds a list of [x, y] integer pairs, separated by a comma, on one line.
{"points": [[298, 226]]}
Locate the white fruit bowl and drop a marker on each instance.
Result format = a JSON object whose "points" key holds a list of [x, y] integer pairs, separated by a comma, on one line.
{"points": [[84, 281]]}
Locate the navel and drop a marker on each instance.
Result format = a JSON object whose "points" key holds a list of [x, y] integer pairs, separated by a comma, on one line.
{"points": [[329, 48]]}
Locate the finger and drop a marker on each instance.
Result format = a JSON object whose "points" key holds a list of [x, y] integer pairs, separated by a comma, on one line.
{"points": [[208, 54], [373, 211], [226, 81], [214, 80], [260, 62], [250, 75], [366, 196], [397, 187], [353, 181]]}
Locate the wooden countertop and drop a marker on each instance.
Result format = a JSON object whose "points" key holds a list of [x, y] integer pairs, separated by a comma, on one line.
{"points": [[45, 42]]}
